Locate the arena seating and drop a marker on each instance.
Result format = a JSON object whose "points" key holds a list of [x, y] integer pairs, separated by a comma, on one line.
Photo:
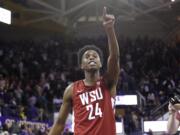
{"points": [[33, 76]]}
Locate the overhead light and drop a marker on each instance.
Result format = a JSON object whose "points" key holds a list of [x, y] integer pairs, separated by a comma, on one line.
{"points": [[82, 19], [92, 18], [172, 0], [5, 16]]}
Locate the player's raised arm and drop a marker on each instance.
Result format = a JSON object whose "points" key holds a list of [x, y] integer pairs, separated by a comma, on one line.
{"points": [[113, 67], [173, 122], [58, 126]]}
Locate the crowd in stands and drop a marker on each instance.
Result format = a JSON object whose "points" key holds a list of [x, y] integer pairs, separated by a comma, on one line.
{"points": [[23, 128], [152, 68], [33, 76]]}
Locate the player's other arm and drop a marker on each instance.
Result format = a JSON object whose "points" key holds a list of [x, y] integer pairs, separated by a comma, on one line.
{"points": [[113, 67], [173, 123], [58, 126]]}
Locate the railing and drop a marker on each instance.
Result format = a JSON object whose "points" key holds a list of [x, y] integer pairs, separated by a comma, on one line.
{"points": [[155, 113], [142, 100], [159, 111]]}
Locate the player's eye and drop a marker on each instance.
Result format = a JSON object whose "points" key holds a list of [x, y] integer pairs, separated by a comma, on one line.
{"points": [[95, 56], [87, 56]]}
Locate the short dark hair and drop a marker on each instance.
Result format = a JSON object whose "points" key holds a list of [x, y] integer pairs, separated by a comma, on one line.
{"points": [[89, 47]]}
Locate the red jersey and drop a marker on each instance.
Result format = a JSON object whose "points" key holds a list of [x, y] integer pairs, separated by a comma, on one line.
{"points": [[93, 109]]}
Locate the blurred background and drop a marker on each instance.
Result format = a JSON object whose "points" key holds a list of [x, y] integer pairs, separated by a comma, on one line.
{"points": [[38, 59]]}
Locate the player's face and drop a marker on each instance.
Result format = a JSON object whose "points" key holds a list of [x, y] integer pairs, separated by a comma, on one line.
{"points": [[91, 61]]}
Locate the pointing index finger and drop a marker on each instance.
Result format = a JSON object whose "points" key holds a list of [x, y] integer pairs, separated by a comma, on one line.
{"points": [[104, 11]]}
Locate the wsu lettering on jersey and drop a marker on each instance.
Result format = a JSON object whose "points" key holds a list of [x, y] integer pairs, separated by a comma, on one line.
{"points": [[92, 96], [88, 98]]}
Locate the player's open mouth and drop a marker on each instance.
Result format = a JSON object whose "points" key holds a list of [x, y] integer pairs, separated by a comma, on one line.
{"points": [[92, 63]]}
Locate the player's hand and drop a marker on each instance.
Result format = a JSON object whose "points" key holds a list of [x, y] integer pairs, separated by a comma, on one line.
{"points": [[177, 106], [108, 20], [173, 108]]}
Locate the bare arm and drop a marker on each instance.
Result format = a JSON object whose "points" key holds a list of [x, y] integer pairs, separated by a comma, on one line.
{"points": [[58, 126], [173, 123], [113, 67]]}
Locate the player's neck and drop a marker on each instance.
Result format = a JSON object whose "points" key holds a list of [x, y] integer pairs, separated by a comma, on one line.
{"points": [[91, 78]]}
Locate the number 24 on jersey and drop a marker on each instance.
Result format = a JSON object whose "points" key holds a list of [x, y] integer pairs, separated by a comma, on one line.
{"points": [[94, 111]]}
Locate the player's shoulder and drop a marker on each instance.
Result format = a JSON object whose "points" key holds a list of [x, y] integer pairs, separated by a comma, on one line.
{"points": [[68, 91], [77, 82], [70, 86]]}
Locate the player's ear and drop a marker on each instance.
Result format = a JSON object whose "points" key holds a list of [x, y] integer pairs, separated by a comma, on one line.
{"points": [[82, 66], [100, 64]]}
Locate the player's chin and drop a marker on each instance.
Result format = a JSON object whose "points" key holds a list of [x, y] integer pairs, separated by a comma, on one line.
{"points": [[91, 69]]}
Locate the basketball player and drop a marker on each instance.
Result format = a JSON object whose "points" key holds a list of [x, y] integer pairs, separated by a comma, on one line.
{"points": [[91, 98], [174, 118]]}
